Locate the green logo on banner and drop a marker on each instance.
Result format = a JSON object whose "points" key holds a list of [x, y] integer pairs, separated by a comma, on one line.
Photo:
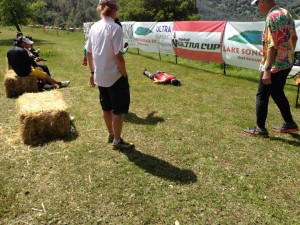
{"points": [[143, 31], [250, 36]]}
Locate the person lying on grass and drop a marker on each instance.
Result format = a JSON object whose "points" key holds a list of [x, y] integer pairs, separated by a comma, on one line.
{"points": [[160, 77]]}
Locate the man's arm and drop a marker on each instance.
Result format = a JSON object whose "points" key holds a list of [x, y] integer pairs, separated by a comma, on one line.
{"points": [[26, 58], [89, 57], [295, 39], [90, 61], [271, 55], [121, 64]]}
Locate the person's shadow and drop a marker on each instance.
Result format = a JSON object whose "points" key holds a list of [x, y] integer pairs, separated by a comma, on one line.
{"points": [[295, 142], [160, 168], [149, 120]]}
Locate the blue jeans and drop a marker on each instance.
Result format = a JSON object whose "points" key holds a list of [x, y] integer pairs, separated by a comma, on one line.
{"points": [[275, 90]]}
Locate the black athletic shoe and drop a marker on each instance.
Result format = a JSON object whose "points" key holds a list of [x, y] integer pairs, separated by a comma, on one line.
{"points": [[257, 131], [286, 128], [123, 145]]}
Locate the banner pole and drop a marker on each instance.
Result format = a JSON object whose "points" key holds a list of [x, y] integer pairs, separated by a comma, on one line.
{"points": [[159, 56], [224, 68], [176, 58]]}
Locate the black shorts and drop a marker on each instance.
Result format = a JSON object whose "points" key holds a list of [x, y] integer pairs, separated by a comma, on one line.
{"points": [[115, 98]]}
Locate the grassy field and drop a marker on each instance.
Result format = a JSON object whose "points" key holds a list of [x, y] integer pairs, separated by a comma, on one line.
{"points": [[192, 164]]}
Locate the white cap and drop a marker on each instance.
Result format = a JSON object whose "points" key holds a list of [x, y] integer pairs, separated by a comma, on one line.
{"points": [[254, 2], [26, 40]]}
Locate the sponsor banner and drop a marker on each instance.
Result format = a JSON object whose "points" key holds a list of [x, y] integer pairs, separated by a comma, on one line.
{"points": [[242, 44], [198, 40], [144, 36], [128, 34], [297, 22], [163, 36], [86, 28]]}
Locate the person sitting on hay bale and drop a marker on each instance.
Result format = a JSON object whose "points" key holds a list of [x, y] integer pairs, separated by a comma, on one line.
{"points": [[160, 77], [34, 54], [24, 65]]}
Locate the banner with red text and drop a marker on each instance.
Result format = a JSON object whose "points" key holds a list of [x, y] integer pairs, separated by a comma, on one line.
{"points": [[144, 36], [163, 36], [242, 44], [128, 34], [198, 40]]}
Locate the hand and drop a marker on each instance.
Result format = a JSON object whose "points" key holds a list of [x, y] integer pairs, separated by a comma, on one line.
{"points": [[91, 81], [266, 79], [39, 59]]}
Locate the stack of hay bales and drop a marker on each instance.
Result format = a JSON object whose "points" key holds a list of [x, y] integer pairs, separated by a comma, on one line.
{"points": [[15, 85], [43, 116]]}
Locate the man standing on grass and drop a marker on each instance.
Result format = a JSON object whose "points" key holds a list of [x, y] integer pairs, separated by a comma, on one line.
{"points": [[279, 41], [108, 71]]}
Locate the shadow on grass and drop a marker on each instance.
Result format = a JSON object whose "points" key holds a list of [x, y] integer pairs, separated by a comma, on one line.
{"points": [[290, 142], [182, 64], [10, 42], [7, 42], [160, 168], [149, 120]]}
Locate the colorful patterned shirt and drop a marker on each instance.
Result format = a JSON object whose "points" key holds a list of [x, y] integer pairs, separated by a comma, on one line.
{"points": [[278, 33]]}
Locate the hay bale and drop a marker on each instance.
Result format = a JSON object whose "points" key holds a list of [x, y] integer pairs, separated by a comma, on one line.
{"points": [[43, 116], [15, 85]]}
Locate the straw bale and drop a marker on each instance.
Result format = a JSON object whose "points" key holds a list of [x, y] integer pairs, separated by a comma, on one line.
{"points": [[43, 116], [16, 85]]}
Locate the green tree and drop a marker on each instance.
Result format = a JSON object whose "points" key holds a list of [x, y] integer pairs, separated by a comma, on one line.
{"points": [[38, 11], [14, 12], [158, 10]]}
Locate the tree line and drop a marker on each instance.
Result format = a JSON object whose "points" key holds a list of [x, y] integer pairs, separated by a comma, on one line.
{"points": [[73, 13]]}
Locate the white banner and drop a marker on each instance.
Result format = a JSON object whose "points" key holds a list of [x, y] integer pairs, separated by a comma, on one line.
{"points": [[144, 36], [163, 36], [128, 34], [86, 28], [242, 44], [297, 22]]}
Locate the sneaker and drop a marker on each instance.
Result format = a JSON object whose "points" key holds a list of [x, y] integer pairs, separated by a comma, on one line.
{"points": [[123, 145], [64, 83], [286, 128], [110, 138], [48, 87], [257, 131]]}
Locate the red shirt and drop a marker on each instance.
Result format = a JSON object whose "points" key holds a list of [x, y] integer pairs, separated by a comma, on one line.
{"points": [[162, 76]]}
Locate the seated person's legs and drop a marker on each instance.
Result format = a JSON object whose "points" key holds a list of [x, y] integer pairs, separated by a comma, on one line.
{"points": [[37, 72], [45, 69]]}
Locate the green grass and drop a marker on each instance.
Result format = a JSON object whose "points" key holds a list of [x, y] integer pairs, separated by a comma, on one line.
{"points": [[191, 163]]}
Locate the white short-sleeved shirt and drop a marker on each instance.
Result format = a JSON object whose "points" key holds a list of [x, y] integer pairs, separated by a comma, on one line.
{"points": [[105, 42]]}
